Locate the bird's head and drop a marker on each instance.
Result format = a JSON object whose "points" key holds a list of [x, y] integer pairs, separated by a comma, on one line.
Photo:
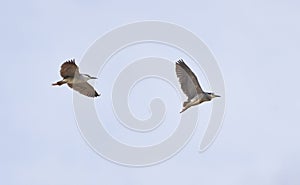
{"points": [[212, 95], [88, 77]]}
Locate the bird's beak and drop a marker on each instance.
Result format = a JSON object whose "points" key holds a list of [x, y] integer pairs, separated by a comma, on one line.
{"points": [[215, 96], [94, 78]]}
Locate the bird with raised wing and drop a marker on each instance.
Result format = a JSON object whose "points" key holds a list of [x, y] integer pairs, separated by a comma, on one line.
{"points": [[71, 76], [191, 87]]}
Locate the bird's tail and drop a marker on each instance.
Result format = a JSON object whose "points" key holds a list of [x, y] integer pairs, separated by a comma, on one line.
{"points": [[59, 83]]}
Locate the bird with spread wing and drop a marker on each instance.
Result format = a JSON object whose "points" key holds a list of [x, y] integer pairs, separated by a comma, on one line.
{"points": [[71, 76], [191, 87]]}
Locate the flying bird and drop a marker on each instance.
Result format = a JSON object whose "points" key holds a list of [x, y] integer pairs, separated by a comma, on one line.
{"points": [[191, 87], [71, 76]]}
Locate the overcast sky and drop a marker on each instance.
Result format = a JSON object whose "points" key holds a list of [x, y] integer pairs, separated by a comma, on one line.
{"points": [[256, 44]]}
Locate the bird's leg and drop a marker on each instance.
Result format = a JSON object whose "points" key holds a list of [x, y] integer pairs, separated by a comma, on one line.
{"points": [[59, 83], [186, 105], [183, 109]]}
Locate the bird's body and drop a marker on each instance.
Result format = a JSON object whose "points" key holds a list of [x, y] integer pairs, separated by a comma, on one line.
{"points": [[71, 76], [79, 79], [191, 87]]}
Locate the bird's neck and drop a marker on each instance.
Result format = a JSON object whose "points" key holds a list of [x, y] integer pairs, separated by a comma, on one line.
{"points": [[83, 78]]}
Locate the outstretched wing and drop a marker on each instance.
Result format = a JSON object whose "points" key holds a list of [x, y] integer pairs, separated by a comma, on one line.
{"points": [[188, 80], [84, 88], [69, 69]]}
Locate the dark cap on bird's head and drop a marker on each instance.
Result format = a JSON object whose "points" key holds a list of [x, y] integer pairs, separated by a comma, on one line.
{"points": [[213, 95]]}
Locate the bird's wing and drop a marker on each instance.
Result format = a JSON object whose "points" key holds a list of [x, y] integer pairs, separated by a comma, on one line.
{"points": [[69, 69], [84, 88], [188, 80]]}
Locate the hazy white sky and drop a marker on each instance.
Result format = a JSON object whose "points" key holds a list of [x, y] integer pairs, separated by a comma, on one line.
{"points": [[256, 44]]}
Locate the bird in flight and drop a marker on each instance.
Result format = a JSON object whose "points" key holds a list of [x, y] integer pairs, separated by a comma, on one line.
{"points": [[191, 87], [71, 76]]}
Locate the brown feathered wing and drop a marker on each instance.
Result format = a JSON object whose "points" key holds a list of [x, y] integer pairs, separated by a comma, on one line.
{"points": [[69, 69]]}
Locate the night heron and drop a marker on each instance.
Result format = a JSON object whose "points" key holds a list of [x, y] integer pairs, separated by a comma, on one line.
{"points": [[71, 76], [191, 87]]}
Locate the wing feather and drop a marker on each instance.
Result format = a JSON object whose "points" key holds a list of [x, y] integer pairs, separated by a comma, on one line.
{"points": [[84, 88], [188, 80], [69, 69]]}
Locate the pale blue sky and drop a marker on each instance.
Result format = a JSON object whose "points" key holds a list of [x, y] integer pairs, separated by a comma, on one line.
{"points": [[256, 44]]}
